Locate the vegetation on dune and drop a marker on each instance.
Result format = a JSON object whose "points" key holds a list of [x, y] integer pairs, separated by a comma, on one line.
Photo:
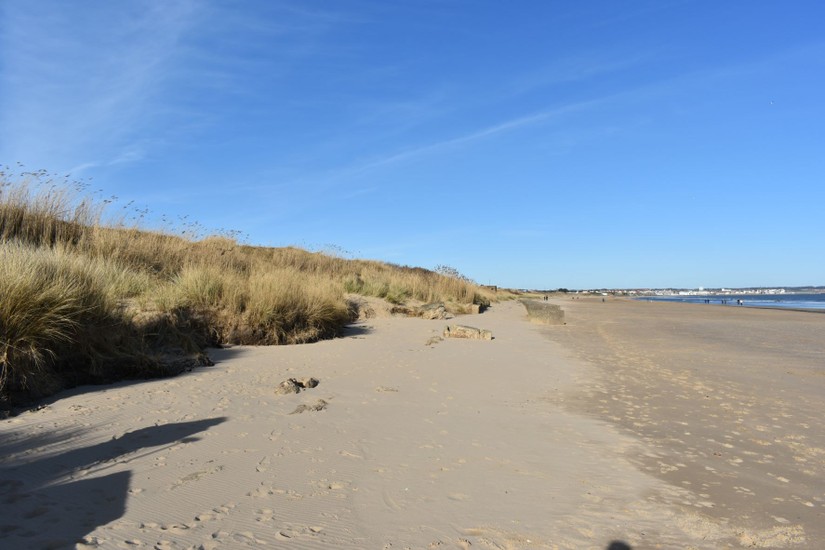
{"points": [[85, 301], [62, 322]]}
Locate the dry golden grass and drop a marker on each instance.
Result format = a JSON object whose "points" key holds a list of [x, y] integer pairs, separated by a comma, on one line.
{"points": [[83, 301], [61, 320], [43, 215]]}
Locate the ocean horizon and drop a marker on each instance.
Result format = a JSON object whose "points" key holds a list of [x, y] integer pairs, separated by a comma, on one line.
{"points": [[778, 301]]}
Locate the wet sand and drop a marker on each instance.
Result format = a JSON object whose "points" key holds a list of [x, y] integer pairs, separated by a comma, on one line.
{"points": [[635, 425], [727, 403]]}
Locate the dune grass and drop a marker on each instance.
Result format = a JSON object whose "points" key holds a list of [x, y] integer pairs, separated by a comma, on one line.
{"points": [[86, 301], [62, 323]]}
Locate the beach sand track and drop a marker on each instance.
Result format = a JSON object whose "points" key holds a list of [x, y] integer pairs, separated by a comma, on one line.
{"points": [[726, 401], [482, 444]]}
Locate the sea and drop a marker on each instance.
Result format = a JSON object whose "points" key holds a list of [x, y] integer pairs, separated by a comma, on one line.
{"points": [[780, 301]]}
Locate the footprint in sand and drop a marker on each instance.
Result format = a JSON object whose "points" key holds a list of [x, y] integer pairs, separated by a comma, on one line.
{"points": [[215, 513], [263, 465], [248, 538], [195, 476], [349, 454], [261, 492], [36, 512], [319, 405], [265, 515]]}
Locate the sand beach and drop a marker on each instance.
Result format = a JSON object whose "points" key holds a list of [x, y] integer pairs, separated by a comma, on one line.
{"points": [[640, 425]]}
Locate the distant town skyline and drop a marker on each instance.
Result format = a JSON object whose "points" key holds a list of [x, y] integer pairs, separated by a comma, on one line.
{"points": [[549, 144], [693, 291]]}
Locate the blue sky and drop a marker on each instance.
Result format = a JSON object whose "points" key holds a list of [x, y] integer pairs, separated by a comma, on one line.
{"points": [[538, 144]]}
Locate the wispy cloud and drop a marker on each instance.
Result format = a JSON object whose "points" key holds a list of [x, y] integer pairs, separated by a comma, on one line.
{"points": [[337, 175], [80, 82], [574, 69], [127, 154], [628, 102], [491, 131], [87, 86]]}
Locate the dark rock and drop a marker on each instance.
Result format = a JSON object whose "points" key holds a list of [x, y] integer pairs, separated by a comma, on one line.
{"points": [[295, 385], [544, 313], [432, 311], [462, 331]]}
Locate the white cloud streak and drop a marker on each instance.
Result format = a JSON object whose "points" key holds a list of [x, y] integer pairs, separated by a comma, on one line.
{"points": [[514, 124], [79, 81], [98, 84]]}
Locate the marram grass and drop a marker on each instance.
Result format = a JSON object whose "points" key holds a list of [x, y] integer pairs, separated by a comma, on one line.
{"points": [[84, 302]]}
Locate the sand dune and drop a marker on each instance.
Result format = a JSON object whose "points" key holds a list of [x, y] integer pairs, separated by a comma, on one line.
{"points": [[509, 443]]}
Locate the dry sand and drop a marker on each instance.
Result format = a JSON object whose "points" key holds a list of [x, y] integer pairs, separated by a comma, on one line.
{"points": [[657, 425]]}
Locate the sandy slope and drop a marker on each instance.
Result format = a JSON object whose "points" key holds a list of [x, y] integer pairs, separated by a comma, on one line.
{"points": [[456, 444]]}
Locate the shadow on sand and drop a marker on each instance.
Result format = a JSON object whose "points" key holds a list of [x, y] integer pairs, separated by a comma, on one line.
{"points": [[58, 497], [356, 330]]}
